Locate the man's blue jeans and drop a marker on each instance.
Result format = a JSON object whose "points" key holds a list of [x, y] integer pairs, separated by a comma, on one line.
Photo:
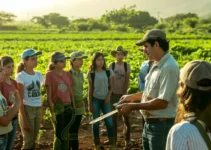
{"points": [[98, 105], [155, 134]]}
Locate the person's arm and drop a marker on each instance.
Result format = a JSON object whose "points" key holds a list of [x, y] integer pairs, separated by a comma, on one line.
{"points": [[21, 92], [127, 82], [72, 97], [26, 125], [49, 98], [90, 95], [6, 119], [50, 102], [154, 104], [127, 79], [131, 98], [111, 82]]}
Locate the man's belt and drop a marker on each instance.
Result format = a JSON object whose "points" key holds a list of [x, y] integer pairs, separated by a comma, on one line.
{"points": [[151, 120]]}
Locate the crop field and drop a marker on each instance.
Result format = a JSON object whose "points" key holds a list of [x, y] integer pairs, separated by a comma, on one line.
{"points": [[184, 48]]}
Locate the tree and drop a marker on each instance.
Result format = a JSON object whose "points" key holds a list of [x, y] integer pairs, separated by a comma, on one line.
{"points": [[58, 20], [129, 16], [6, 17], [44, 21], [51, 19], [191, 22]]}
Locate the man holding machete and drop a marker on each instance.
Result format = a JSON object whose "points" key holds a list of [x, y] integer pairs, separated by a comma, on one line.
{"points": [[159, 100]]}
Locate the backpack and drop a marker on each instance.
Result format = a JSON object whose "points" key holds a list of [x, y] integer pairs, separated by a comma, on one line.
{"points": [[202, 132], [113, 66], [92, 74]]}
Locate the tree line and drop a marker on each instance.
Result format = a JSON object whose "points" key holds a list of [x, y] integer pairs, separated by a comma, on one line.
{"points": [[123, 19]]}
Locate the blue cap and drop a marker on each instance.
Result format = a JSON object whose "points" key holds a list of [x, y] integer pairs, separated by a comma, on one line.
{"points": [[29, 53]]}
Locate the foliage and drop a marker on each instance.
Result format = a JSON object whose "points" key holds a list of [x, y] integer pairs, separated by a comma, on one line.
{"points": [[51, 19], [6, 17]]}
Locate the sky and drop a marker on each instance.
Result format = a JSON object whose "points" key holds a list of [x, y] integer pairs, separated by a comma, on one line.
{"points": [[26, 9]]}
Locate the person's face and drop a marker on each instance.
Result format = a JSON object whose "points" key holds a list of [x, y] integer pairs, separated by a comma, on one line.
{"points": [[150, 51], [31, 62], [1, 71], [8, 69], [100, 62], [60, 64], [77, 63], [119, 56]]}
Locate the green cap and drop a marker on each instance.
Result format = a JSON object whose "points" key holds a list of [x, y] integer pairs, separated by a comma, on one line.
{"points": [[75, 55], [152, 34], [58, 57]]}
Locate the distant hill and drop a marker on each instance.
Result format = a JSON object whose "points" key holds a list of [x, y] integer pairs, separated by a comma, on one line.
{"points": [[95, 8]]}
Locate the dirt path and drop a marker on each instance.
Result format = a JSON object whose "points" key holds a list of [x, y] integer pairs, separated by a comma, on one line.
{"points": [[85, 135]]}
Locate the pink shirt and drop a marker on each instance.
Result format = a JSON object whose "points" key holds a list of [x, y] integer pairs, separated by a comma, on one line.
{"points": [[61, 86], [8, 91]]}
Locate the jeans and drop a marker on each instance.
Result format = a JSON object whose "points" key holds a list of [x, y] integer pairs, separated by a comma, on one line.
{"points": [[3, 141], [74, 145], [98, 105], [12, 134], [155, 134]]}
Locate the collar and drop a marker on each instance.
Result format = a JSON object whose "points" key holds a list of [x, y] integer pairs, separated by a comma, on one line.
{"points": [[163, 60]]}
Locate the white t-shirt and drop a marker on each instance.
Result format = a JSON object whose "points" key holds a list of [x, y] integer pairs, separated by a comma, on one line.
{"points": [[32, 85], [185, 136]]}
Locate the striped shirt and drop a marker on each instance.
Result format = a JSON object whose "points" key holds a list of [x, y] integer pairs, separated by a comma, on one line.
{"points": [[185, 136]]}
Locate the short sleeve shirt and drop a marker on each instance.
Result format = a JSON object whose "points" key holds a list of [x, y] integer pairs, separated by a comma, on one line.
{"points": [[61, 86], [8, 91], [119, 77], [162, 83], [32, 86], [100, 84]]}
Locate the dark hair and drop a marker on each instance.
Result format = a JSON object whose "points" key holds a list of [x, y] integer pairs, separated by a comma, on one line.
{"points": [[194, 101], [164, 44], [51, 64], [93, 66], [21, 65], [71, 62], [6, 60]]}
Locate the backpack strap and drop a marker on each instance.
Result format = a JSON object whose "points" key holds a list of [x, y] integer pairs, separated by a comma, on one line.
{"points": [[202, 132], [113, 65], [108, 76], [125, 66]]}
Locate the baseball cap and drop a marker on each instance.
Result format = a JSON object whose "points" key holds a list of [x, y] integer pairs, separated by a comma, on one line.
{"points": [[59, 56], [196, 71], [75, 55], [152, 34], [29, 53]]}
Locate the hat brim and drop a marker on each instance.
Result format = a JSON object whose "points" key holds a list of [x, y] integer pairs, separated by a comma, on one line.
{"points": [[141, 42], [113, 53], [79, 57], [37, 53]]}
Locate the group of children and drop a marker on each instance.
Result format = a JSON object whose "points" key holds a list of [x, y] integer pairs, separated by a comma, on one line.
{"points": [[64, 91]]}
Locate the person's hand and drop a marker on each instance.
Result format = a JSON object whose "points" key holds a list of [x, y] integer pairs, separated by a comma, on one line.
{"points": [[91, 109], [124, 99], [26, 126], [107, 101], [125, 109], [53, 117]]}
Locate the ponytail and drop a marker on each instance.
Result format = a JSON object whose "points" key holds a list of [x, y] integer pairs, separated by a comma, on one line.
{"points": [[21, 67], [50, 67]]}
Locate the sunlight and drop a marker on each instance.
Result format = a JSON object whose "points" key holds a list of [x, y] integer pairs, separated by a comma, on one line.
{"points": [[27, 5]]}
